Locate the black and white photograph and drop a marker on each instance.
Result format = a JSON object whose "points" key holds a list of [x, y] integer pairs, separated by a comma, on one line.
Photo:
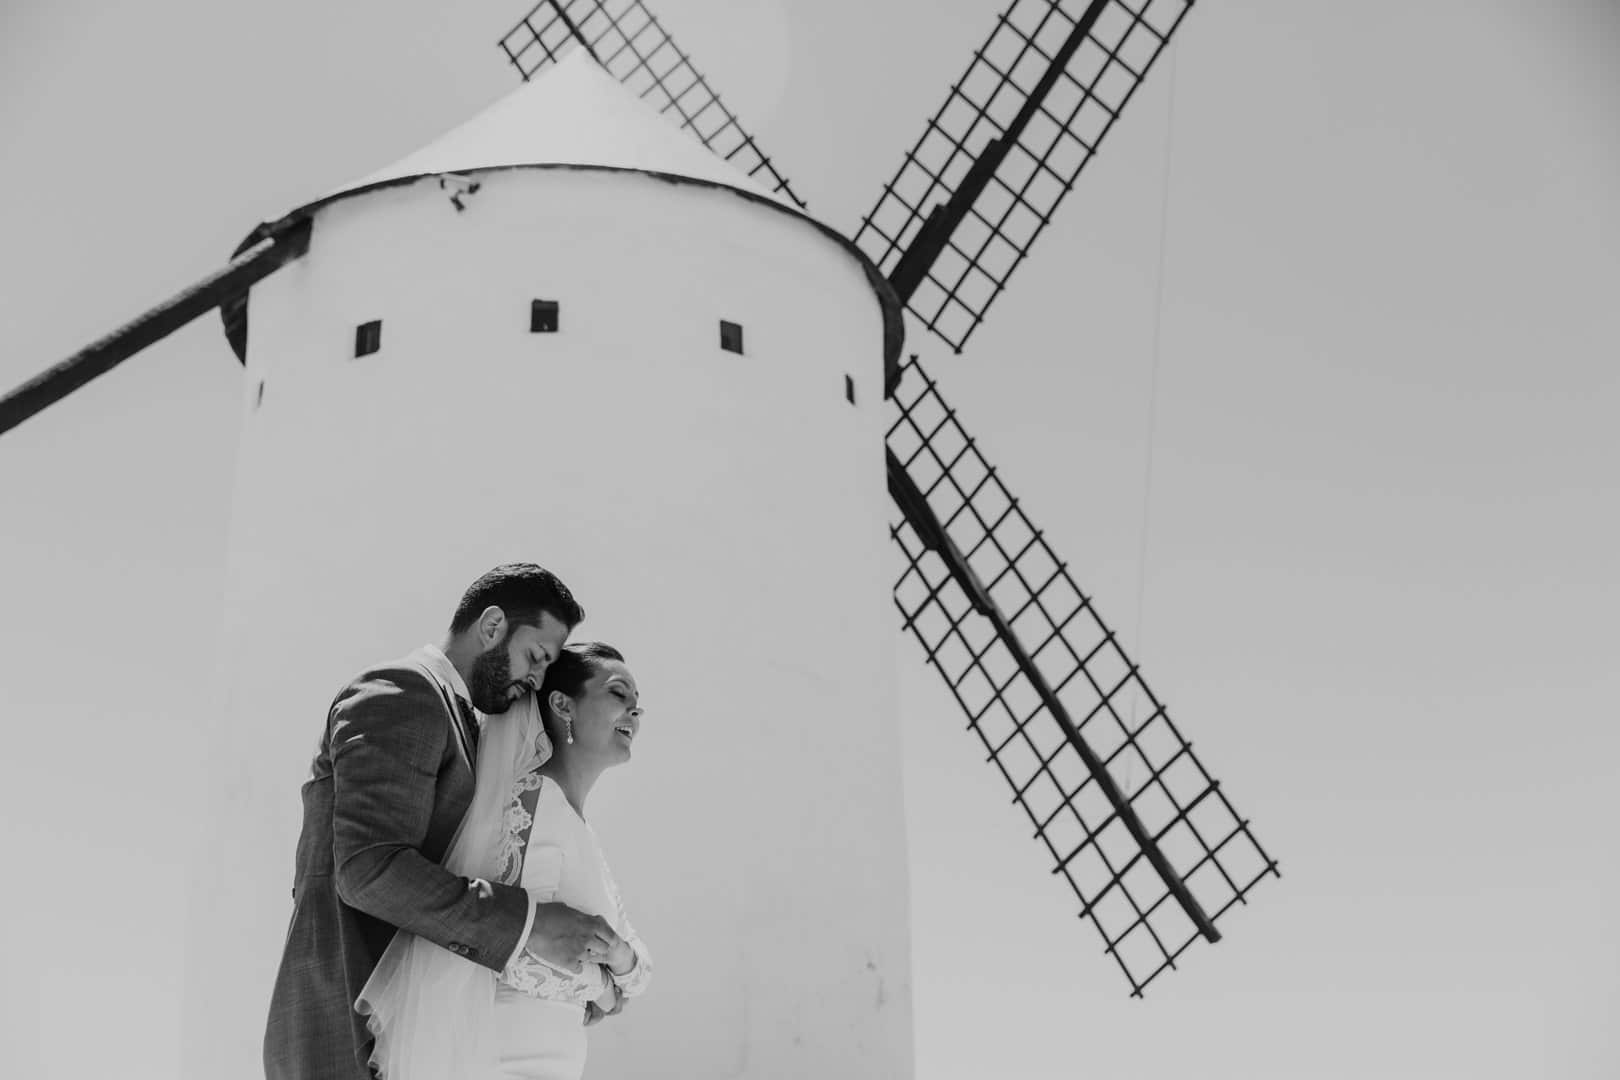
{"points": [[880, 539]]}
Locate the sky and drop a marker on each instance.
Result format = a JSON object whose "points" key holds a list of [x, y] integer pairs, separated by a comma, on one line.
{"points": [[1312, 382]]}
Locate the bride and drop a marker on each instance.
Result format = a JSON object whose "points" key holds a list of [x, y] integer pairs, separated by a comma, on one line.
{"points": [[438, 1016]]}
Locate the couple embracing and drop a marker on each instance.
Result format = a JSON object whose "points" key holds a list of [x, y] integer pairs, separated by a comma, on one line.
{"points": [[453, 915]]}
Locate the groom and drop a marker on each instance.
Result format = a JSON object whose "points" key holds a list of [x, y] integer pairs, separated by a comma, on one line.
{"points": [[390, 782]]}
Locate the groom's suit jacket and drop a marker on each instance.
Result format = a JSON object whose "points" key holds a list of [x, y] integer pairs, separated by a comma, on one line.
{"points": [[390, 782]]}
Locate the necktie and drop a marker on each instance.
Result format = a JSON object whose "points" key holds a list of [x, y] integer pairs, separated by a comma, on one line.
{"points": [[469, 725]]}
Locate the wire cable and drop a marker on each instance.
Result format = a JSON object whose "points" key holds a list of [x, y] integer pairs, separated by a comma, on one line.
{"points": [[1153, 388]]}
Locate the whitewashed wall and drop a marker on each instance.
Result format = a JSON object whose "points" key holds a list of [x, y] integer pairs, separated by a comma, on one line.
{"points": [[721, 517]]}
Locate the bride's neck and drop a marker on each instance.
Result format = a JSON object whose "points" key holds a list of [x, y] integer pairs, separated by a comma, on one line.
{"points": [[576, 778]]}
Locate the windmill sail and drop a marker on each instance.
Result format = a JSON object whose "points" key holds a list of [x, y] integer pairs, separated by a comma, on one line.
{"points": [[629, 41], [1145, 838], [271, 247], [996, 160]]}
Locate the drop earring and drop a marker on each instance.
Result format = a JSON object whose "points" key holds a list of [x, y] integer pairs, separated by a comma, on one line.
{"points": [[570, 733]]}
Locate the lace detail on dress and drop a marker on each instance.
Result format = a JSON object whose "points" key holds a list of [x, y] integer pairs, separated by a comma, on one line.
{"points": [[515, 835], [530, 975]]}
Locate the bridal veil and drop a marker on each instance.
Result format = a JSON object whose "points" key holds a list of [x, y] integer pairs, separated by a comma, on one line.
{"points": [[431, 1012]]}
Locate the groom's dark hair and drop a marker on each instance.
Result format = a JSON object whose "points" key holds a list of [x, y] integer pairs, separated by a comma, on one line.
{"points": [[523, 591]]}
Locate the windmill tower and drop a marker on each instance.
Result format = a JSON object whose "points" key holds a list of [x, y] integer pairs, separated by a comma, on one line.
{"points": [[565, 331], [677, 384]]}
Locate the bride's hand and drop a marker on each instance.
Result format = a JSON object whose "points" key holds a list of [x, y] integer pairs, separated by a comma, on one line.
{"points": [[611, 1003]]}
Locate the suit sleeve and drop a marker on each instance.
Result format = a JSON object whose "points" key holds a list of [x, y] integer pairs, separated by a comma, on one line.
{"points": [[389, 738]]}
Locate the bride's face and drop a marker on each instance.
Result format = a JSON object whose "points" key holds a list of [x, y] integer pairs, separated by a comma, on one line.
{"points": [[607, 713]]}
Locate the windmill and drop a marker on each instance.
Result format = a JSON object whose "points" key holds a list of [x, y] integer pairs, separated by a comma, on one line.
{"points": [[1039, 676]]}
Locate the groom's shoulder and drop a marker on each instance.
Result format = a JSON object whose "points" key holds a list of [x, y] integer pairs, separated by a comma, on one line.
{"points": [[394, 682]]}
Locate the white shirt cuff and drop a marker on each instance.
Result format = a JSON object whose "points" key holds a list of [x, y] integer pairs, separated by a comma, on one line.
{"points": [[528, 925]]}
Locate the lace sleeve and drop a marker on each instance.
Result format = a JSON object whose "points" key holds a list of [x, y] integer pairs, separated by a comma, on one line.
{"points": [[635, 980], [530, 975]]}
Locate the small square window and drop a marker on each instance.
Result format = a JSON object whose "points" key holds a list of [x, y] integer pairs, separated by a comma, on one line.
{"points": [[849, 389], [368, 338], [543, 317], [731, 336]]}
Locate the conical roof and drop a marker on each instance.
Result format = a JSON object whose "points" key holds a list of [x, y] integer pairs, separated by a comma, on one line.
{"points": [[573, 113]]}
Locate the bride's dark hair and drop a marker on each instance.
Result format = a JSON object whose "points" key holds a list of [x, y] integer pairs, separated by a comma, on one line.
{"points": [[569, 673]]}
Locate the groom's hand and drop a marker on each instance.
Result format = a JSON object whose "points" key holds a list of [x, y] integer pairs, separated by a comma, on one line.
{"points": [[567, 937]]}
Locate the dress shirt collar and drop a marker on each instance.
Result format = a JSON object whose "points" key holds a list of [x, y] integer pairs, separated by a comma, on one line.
{"points": [[439, 664]]}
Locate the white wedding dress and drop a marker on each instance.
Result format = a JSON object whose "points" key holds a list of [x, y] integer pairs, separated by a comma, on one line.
{"points": [[540, 1009], [434, 1015]]}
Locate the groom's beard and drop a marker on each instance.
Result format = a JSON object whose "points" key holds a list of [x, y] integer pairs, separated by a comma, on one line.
{"points": [[491, 682]]}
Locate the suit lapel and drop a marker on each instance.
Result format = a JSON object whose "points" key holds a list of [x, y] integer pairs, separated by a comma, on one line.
{"points": [[460, 724]]}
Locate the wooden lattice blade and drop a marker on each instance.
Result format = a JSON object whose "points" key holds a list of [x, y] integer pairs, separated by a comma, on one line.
{"points": [[997, 159], [1146, 839]]}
